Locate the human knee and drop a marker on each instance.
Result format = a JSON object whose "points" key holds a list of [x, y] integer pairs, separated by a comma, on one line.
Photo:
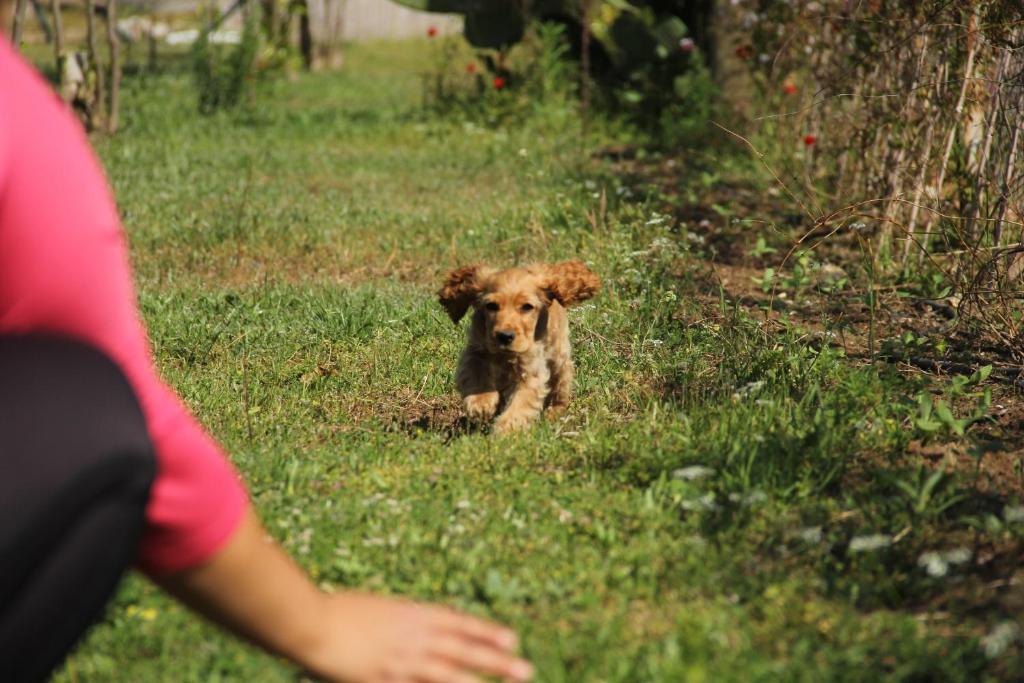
{"points": [[69, 408]]}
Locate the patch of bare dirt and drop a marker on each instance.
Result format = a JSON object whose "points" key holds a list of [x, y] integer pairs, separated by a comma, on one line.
{"points": [[408, 412]]}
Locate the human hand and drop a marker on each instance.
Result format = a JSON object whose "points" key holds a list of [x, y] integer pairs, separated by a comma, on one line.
{"points": [[255, 590], [370, 639]]}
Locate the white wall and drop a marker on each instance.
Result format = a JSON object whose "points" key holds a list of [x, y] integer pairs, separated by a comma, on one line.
{"points": [[361, 19], [370, 19]]}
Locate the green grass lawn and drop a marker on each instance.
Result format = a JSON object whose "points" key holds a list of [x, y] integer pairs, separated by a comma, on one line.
{"points": [[723, 501]]}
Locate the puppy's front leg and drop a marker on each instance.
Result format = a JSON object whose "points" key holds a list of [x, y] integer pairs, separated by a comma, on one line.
{"points": [[524, 406], [561, 387], [482, 406], [476, 384]]}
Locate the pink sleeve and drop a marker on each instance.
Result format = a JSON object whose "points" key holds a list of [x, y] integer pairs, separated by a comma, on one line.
{"points": [[64, 270]]}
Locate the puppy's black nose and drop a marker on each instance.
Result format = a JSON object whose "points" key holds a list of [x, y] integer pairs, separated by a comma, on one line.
{"points": [[504, 337]]}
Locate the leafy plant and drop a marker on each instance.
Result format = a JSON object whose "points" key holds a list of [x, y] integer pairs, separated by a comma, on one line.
{"points": [[642, 56], [761, 248], [223, 74], [932, 284], [767, 280], [909, 345], [801, 274], [936, 416], [499, 87], [959, 384], [928, 493]]}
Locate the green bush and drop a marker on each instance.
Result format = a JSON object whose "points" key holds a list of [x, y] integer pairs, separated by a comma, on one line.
{"points": [[223, 75], [499, 86]]}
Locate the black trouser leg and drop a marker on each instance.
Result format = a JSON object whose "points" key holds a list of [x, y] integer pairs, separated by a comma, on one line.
{"points": [[76, 466]]}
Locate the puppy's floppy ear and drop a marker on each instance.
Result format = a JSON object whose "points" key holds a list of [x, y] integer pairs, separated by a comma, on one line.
{"points": [[570, 282], [460, 290]]}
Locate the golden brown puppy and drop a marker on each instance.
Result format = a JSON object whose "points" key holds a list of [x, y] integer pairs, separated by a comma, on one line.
{"points": [[517, 360]]}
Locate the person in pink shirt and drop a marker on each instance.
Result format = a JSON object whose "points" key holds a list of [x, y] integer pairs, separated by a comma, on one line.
{"points": [[102, 467]]}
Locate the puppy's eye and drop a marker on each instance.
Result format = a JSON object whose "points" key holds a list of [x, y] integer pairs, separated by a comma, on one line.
{"points": [[491, 306], [526, 308]]}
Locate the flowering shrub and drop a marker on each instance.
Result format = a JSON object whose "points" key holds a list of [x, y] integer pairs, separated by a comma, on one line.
{"points": [[642, 58], [499, 85], [921, 108]]}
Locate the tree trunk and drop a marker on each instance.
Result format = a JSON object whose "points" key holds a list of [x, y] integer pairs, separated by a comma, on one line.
{"points": [[325, 30], [115, 67], [19, 22], [97, 93], [37, 9], [1008, 182], [305, 35], [699, 17], [58, 46], [585, 19]]}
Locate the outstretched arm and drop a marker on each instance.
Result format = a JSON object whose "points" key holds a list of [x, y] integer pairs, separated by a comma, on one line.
{"points": [[252, 588]]}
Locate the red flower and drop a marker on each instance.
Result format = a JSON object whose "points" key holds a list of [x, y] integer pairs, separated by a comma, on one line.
{"points": [[810, 140], [498, 82], [471, 68], [745, 51], [687, 44], [431, 32], [789, 88]]}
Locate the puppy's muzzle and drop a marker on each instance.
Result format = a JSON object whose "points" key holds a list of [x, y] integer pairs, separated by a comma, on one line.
{"points": [[504, 337]]}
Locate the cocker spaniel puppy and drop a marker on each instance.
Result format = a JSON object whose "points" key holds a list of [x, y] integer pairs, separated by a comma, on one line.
{"points": [[517, 360]]}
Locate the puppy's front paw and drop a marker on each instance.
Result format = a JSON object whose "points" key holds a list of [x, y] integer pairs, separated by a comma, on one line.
{"points": [[481, 406], [555, 411], [511, 422]]}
